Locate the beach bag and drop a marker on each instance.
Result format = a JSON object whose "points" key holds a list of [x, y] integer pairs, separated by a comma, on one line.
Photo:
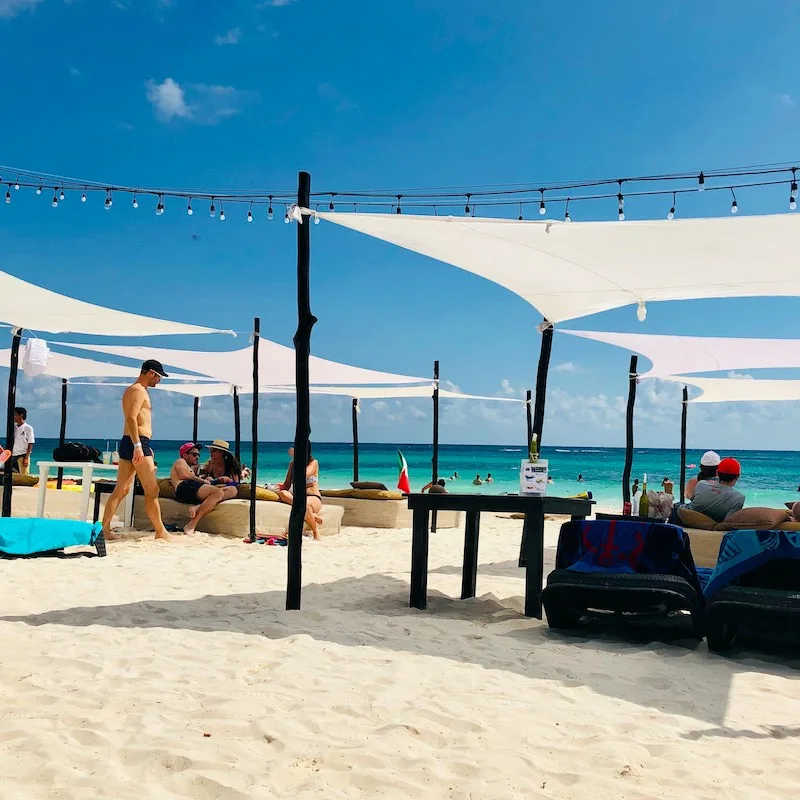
{"points": [[26, 536], [76, 451], [35, 357]]}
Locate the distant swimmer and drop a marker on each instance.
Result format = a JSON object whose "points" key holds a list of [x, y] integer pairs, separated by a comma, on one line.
{"points": [[580, 478], [477, 481], [453, 477], [489, 478], [550, 479]]}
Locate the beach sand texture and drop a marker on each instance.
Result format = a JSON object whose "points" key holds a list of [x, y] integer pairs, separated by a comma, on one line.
{"points": [[114, 670]]}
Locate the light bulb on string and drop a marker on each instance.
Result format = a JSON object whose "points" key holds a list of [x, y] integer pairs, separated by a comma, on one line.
{"points": [[519, 218], [8, 194], [160, 207], [250, 212], [399, 209], [567, 217], [55, 198], [330, 205], [542, 206], [671, 212], [135, 201], [316, 217], [641, 311], [83, 196], [734, 204], [221, 213], [39, 190], [109, 201], [269, 210], [701, 182], [286, 215], [61, 196], [189, 209], [212, 209], [620, 203], [793, 190], [16, 185], [466, 207]]}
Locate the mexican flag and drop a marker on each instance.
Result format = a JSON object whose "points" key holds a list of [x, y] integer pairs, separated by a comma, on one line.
{"points": [[402, 474]]}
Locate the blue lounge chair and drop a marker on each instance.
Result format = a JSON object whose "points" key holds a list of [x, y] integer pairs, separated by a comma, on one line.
{"points": [[31, 536]]}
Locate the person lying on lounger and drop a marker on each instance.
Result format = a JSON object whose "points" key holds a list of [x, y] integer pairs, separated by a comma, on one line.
{"points": [[198, 493]]}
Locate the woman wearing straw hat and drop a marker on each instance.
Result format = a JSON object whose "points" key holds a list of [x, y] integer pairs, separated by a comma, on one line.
{"points": [[222, 466]]}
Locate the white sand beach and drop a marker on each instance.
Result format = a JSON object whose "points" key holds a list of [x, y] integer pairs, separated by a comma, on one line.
{"points": [[173, 671]]}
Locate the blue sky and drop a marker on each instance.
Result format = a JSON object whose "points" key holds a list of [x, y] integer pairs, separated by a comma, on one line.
{"points": [[377, 95]]}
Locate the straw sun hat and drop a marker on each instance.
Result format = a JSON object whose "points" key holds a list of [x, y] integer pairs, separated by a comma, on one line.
{"points": [[220, 444]]}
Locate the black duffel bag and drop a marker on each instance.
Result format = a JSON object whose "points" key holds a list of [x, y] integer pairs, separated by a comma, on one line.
{"points": [[76, 451]]}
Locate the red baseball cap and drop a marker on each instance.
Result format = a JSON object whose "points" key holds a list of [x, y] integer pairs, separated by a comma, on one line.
{"points": [[729, 466], [185, 448]]}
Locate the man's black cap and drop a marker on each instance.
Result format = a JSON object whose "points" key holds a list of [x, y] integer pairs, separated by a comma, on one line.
{"points": [[151, 365]]}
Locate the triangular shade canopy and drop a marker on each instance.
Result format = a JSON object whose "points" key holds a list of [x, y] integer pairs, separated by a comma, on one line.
{"points": [[235, 367], [729, 390], [60, 365], [569, 270], [672, 355], [25, 305]]}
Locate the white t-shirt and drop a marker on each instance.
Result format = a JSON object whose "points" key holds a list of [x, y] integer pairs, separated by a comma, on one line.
{"points": [[23, 436]]}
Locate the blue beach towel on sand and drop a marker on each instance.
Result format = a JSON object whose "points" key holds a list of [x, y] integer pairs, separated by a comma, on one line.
{"points": [[27, 536], [741, 552], [626, 547]]}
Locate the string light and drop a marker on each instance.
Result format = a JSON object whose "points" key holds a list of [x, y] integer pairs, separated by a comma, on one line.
{"points": [[83, 196], [734, 204], [55, 197], [330, 205], [542, 206], [135, 201], [620, 203], [16, 185], [286, 215], [160, 207], [520, 213], [61, 196], [316, 218], [567, 217], [109, 201], [399, 210], [466, 207], [793, 190], [189, 209], [701, 182], [39, 190], [212, 209], [221, 212], [250, 213], [8, 194], [269, 210], [671, 212]]}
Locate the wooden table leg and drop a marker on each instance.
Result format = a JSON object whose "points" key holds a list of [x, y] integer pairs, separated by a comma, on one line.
{"points": [[96, 512], [419, 559], [469, 574], [533, 544]]}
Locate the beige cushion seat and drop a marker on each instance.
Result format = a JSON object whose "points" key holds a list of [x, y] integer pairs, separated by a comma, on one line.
{"points": [[379, 508]]}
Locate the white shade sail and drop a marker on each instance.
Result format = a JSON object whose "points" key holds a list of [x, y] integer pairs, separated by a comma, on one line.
{"points": [[34, 308], [672, 355], [60, 365], [730, 390], [569, 270], [235, 367]]}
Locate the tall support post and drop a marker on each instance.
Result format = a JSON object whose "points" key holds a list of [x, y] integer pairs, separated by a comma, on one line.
{"points": [[528, 417], [541, 380], [684, 404], [355, 439], [237, 426], [435, 458], [13, 367], [254, 454], [302, 351], [62, 432], [195, 418], [626, 472]]}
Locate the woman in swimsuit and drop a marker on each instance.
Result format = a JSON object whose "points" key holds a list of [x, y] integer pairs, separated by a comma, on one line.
{"points": [[313, 497], [222, 468]]}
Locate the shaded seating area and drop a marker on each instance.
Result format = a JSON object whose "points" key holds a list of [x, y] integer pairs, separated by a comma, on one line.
{"points": [[624, 572]]}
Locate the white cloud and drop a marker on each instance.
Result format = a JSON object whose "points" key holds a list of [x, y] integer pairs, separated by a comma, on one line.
{"points": [[197, 102], [506, 388], [740, 376], [787, 100], [274, 3], [565, 366], [12, 8], [75, 72], [231, 37]]}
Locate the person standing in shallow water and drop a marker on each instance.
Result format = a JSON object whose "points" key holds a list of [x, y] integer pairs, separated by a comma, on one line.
{"points": [[135, 453]]}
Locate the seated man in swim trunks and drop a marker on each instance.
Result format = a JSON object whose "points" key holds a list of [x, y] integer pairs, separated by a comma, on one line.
{"points": [[196, 492]]}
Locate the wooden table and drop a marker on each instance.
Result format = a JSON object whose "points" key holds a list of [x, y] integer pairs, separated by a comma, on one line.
{"points": [[534, 509], [87, 469]]}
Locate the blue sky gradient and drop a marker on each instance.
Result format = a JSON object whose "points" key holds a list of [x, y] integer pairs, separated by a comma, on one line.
{"points": [[379, 95]]}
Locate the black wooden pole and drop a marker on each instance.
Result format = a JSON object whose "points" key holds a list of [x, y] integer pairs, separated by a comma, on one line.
{"points": [[237, 426], [302, 434], [355, 439], [528, 418], [62, 433], [541, 381], [626, 472], [685, 403], [195, 417], [254, 454], [435, 459], [13, 366]]}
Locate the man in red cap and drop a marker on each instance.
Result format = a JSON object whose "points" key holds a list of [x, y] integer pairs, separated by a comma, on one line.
{"points": [[719, 500]]}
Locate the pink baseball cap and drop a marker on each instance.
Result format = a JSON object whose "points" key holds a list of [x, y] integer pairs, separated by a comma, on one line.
{"points": [[185, 448]]}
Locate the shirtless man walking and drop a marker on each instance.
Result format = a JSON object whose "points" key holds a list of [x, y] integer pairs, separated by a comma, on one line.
{"points": [[135, 454], [199, 493]]}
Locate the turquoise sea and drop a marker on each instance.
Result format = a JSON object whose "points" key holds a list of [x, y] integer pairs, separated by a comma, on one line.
{"points": [[768, 477]]}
